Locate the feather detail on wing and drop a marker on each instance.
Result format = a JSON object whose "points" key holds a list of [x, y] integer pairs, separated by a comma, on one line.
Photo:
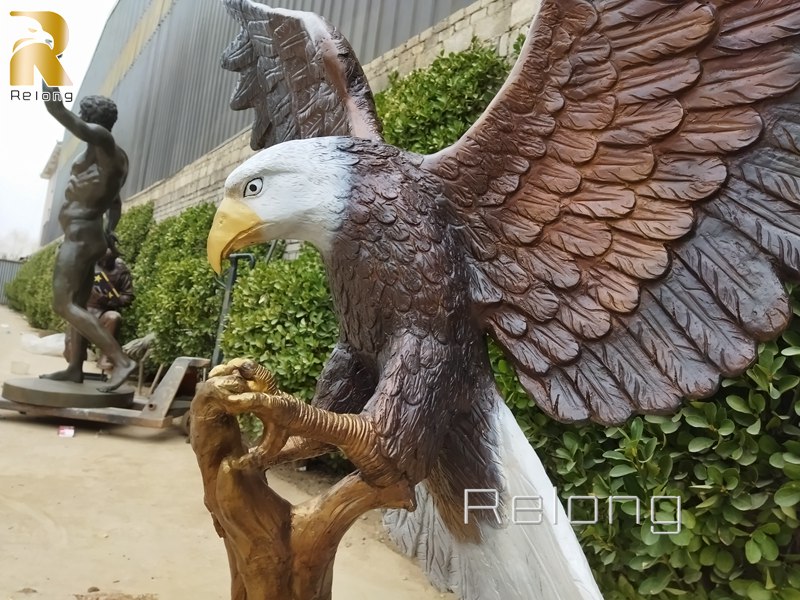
{"points": [[299, 74], [630, 196]]}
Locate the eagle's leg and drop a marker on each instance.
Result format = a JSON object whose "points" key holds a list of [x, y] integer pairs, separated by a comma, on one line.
{"points": [[344, 386], [242, 375], [296, 448], [275, 550], [284, 415]]}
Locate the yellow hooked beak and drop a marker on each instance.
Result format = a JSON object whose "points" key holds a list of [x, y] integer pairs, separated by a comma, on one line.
{"points": [[235, 226]]}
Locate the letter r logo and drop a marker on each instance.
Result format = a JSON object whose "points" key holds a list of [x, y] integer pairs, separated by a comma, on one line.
{"points": [[41, 50]]}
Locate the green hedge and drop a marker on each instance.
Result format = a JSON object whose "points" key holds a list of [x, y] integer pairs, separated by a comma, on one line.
{"points": [[734, 459], [31, 291], [132, 231], [430, 108], [282, 316], [178, 296]]}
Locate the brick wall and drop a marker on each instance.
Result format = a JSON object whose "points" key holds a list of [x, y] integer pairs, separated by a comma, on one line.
{"points": [[497, 22]]}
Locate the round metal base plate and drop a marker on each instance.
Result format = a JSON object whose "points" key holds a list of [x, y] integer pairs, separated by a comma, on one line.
{"points": [[65, 394]]}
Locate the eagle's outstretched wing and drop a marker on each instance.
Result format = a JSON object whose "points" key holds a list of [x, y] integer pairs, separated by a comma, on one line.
{"points": [[299, 74], [630, 196]]}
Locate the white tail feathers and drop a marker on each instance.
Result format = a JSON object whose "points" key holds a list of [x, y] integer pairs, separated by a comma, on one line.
{"points": [[514, 561]]}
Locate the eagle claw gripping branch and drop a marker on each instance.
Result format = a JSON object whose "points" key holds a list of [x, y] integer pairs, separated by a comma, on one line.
{"points": [[238, 495]]}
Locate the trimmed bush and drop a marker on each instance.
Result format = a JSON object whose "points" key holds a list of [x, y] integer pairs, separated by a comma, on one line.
{"points": [[178, 296], [431, 108], [132, 231], [31, 291], [282, 316], [734, 460]]}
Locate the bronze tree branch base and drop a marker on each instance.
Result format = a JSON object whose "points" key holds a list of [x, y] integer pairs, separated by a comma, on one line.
{"points": [[277, 550]]}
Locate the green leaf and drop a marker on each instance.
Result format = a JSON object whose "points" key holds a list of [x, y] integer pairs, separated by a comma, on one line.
{"points": [[724, 561], [656, 584], [789, 457], [708, 556], [683, 538], [784, 384], [696, 420], [636, 428], [768, 547], [711, 501], [752, 552], [738, 404], [620, 470], [788, 494], [756, 591], [740, 587], [727, 427], [699, 444]]}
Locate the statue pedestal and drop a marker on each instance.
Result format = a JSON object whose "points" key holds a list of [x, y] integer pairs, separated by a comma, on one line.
{"points": [[64, 394]]}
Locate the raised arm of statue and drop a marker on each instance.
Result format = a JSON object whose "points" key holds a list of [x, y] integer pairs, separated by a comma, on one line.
{"points": [[90, 133]]}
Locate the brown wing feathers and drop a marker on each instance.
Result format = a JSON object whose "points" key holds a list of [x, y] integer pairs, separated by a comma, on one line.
{"points": [[299, 74], [650, 182], [626, 198]]}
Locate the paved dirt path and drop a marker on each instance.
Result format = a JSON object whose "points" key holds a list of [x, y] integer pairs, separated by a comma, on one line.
{"points": [[117, 514]]}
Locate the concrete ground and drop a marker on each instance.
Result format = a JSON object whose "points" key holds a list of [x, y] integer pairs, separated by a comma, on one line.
{"points": [[116, 513]]}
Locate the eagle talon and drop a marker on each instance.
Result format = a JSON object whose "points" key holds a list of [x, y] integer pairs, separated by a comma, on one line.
{"points": [[272, 443], [254, 376], [232, 384], [259, 378], [229, 368], [284, 416]]}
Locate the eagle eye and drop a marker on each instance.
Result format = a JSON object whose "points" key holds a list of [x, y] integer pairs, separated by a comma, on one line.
{"points": [[253, 187]]}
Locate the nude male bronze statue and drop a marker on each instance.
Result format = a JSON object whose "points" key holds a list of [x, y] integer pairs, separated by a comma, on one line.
{"points": [[92, 194]]}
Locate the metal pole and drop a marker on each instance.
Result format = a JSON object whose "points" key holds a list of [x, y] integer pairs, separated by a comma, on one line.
{"points": [[216, 357]]}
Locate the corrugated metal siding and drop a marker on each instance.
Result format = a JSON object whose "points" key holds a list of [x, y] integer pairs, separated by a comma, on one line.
{"points": [[8, 270], [159, 60]]}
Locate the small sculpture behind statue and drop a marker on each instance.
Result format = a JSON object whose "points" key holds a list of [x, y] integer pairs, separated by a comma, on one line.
{"points": [[112, 291], [90, 212]]}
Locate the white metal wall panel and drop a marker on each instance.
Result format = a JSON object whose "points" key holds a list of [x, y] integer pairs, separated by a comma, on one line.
{"points": [[173, 97]]}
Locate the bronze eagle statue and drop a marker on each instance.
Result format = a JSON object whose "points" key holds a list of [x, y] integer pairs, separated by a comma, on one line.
{"points": [[618, 220]]}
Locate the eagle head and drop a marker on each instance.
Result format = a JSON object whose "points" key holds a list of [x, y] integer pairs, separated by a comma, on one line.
{"points": [[295, 190], [36, 35]]}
